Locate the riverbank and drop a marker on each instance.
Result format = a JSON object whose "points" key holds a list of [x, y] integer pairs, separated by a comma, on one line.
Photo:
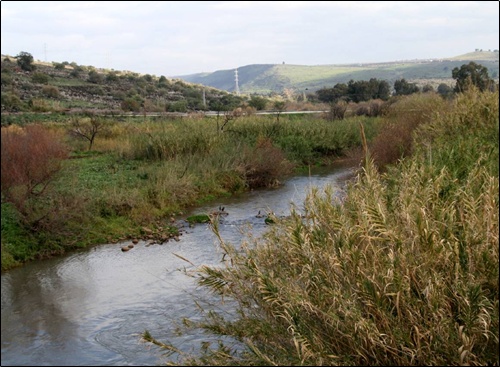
{"points": [[138, 175]]}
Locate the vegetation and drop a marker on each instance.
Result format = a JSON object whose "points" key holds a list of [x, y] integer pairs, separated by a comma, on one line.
{"points": [[472, 75], [68, 87], [121, 174], [402, 271], [25, 61], [274, 78], [356, 91]]}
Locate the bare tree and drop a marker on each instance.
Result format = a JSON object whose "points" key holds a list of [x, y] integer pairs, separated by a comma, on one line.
{"points": [[87, 129], [279, 107], [230, 116]]}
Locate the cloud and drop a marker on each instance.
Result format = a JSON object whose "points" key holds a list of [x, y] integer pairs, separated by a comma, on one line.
{"points": [[184, 37]]}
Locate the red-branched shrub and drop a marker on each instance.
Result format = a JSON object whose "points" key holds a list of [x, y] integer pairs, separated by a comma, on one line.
{"points": [[31, 156], [265, 164]]}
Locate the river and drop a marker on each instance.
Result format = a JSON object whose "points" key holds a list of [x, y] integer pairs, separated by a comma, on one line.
{"points": [[89, 308]]}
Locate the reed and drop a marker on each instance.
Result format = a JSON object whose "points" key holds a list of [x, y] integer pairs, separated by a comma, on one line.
{"points": [[402, 271]]}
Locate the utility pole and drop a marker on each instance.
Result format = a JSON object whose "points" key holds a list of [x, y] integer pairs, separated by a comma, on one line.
{"points": [[237, 88]]}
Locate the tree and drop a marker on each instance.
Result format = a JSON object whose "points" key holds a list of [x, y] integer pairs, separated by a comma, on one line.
{"points": [[87, 129], [95, 77], [279, 107], [383, 90], [257, 102], [471, 74], [402, 88], [25, 61], [444, 90], [225, 103], [339, 92]]}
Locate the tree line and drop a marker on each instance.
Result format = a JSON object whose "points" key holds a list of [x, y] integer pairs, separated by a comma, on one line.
{"points": [[363, 90]]}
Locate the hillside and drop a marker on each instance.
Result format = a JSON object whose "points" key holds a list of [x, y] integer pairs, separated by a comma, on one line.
{"points": [[61, 87], [276, 77]]}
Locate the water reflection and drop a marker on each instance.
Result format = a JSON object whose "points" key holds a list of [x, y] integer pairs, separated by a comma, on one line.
{"points": [[90, 307]]}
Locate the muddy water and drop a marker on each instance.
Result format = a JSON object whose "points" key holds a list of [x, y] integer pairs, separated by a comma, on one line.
{"points": [[90, 307]]}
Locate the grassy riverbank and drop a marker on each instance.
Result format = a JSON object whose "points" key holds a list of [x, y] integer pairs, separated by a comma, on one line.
{"points": [[403, 272], [141, 174]]}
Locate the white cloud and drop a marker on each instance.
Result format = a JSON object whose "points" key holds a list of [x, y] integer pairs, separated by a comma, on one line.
{"points": [[184, 37]]}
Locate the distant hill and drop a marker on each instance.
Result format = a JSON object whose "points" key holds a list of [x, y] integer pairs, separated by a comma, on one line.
{"points": [[266, 78]]}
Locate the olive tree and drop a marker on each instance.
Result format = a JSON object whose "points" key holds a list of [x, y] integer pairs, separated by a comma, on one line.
{"points": [[25, 61], [471, 74]]}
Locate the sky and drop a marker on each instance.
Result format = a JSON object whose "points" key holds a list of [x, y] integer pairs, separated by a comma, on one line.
{"points": [[175, 38]]}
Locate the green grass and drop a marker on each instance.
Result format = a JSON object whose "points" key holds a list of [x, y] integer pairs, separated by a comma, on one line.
{"points": [[142, 172], [267, 78]]}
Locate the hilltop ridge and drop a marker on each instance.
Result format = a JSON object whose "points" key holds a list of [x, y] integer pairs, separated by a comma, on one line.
{"points": [[268, 78]]}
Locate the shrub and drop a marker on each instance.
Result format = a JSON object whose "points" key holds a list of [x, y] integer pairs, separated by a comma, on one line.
{"points": [[50, 91], [11, 102], [95, 77], [30, 159], [40, 78], [265, 164], [179, 106], [395, 139], [58, 65], [337, 111], [6, 78], [130, 104]]}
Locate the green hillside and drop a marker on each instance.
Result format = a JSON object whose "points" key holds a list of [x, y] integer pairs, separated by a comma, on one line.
{"points": [[276, 77]]}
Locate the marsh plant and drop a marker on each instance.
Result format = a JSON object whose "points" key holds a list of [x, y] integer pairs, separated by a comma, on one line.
{"points": [[402, 271]]}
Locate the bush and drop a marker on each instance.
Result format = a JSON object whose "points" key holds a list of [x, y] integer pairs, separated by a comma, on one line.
{"points": [[40, 78], [11, 102], [58, 66], [6, 78], [395, 139], [257, 102], [130, 104], [50, 91], [95, 77], [31, 157], [179, 106], [265, 164]]}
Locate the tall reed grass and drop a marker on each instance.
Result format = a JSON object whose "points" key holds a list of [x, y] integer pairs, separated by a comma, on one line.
{"points": [[403, 271]]}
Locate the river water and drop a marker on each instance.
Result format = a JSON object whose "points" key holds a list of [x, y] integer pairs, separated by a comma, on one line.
{"points": [[89, 308]]}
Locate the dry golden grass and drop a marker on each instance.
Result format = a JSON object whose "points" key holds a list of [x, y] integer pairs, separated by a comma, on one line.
{"points": [[403, 271]]}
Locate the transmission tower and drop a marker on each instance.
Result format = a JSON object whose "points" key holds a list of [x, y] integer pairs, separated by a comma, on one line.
{"points": [[237, 88]]}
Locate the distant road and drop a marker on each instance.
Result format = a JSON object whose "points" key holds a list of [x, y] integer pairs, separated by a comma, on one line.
{"points": [[167, 114], [214, 113]]}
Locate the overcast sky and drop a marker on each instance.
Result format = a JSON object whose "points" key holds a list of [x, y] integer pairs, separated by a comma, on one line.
{"points": [[174, 38]]}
